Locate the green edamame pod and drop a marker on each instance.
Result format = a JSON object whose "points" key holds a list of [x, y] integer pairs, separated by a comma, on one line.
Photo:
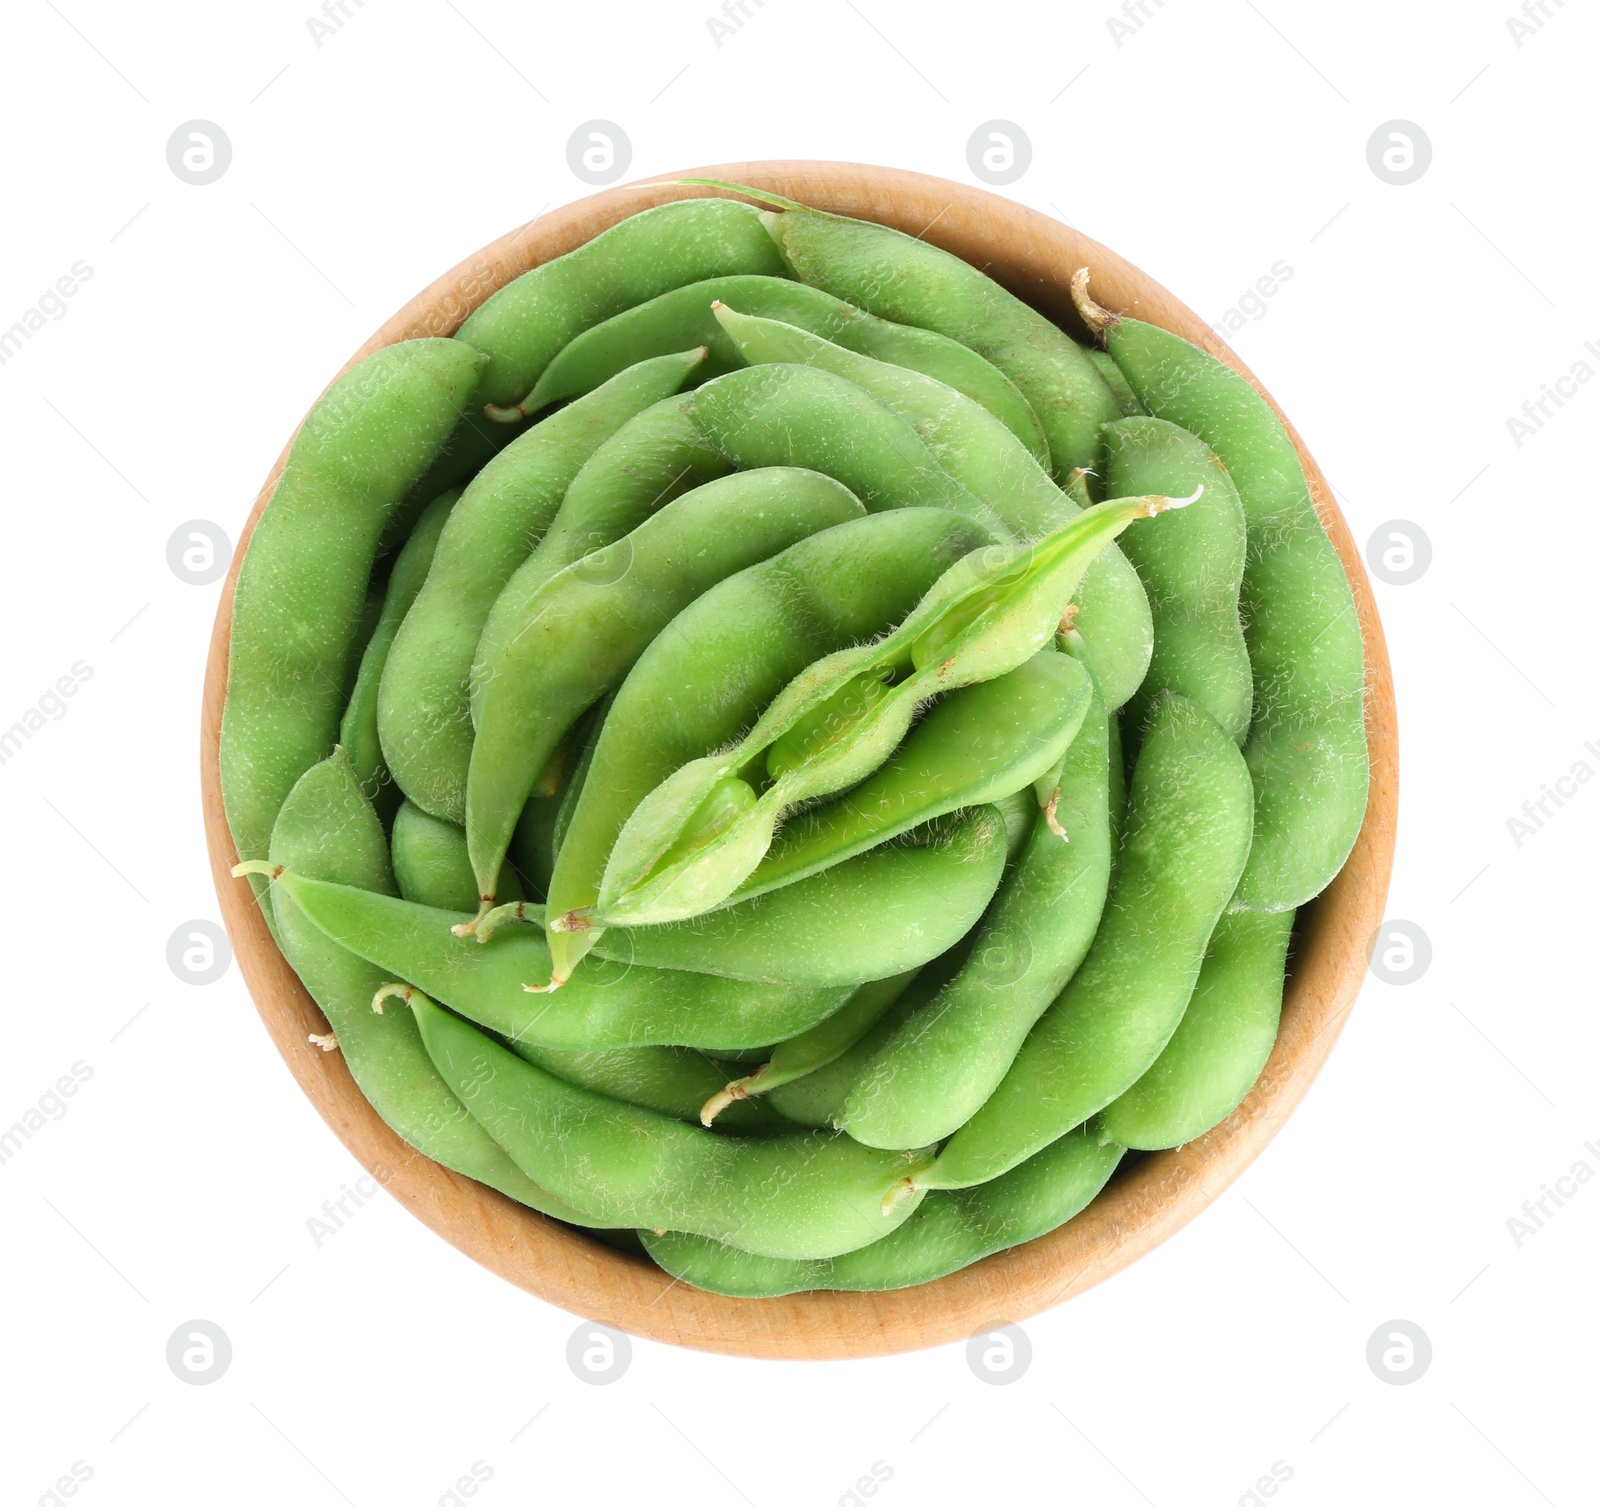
{"points": [[431, 862], [824, 1043], [1184, 847], [1191, 570], [800, 416], [1221, 1044], [328, 828], [610, 1005], [1121, 389], [547, 654], [912, 282], [529, 320], [951, 1230], [682, 318], [985, 457], [733, 650], [975, 746], [889, 909], [1307, 748], [358, 728], [800, 1196], [670, 1080], [304, 578], [937, 1070], [818, 1098], [657, 456], [423, 718], [694, 839]]}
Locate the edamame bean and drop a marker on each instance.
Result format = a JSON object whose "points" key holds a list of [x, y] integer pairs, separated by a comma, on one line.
{"points": [[358, 728], [985, 457], [423, 718], [938, 1068], [1184, 847], [547, 654], [726, 656], [702, 831], [901, 278], [886, 910], [610, 1005], [950, 1231], [975, 746], [1307, 748], [682, 318], [1221, 1044], [328, 828], [530, 319], [800, 416], [1190, 569], [304, 578], [799, 1196], [431, 862], [825, 1042]]}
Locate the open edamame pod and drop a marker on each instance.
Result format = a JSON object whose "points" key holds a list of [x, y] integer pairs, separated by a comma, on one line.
{"points": [[698, 835], [799, 1196], [908, 280], [549, 652], [682, 318], [935, 1072], [949, 1231], [611, 1005], [304, 579], [1183, 849], [1307, 748], [1191, 570], [1221, 1044], [986, 458], [328, 828], [696, 687], [825, 1042], [975, 746], [423, 718], [529, 320], [358, 728]]}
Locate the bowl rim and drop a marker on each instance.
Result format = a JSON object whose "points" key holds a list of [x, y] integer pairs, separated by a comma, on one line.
{"points": [[1034, 256]]}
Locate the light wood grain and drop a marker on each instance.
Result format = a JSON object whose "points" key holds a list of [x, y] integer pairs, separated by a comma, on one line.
{"points": [[1156, 1195]]}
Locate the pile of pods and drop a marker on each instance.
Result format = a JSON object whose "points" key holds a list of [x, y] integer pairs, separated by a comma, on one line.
{"points": [[731, 786]]}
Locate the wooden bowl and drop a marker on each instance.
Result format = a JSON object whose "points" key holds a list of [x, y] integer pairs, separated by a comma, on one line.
{"points": [[1154, 1195]]}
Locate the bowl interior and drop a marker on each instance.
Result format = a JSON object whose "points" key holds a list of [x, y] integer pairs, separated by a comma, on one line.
{"points": [[1152, 1196]]}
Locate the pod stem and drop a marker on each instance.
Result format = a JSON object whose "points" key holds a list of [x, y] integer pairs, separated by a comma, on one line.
{"points": [[740, 1088], [391, 991], [256, 866], [486, 908], [512, 415], [1048, 811], [1098, 319], [489, 922]]}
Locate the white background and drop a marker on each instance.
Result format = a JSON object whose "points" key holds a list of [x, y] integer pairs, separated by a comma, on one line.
{"points": [[1218, 139]]}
